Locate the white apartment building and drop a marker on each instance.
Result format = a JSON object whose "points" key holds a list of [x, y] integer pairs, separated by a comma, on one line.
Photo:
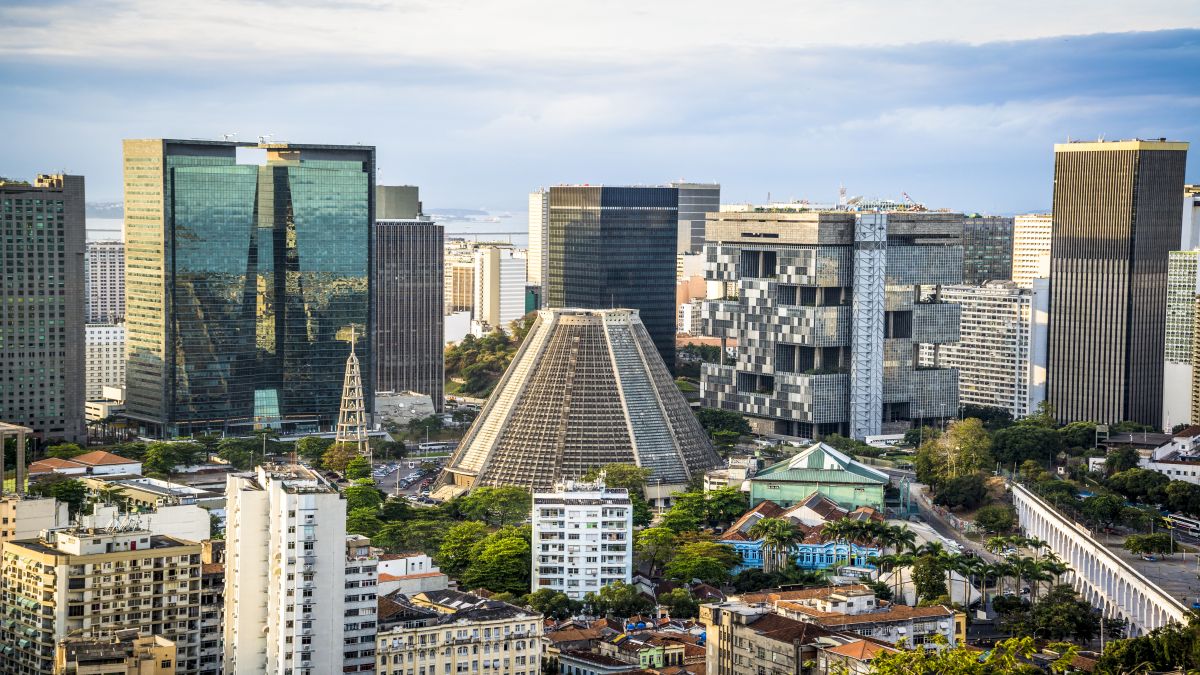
{"points": [[104, 358], [499, 288], [362, 578], [582, 538], [1031, 248], [1001, 352], [536, 266], [105, 281], [1183, 284], [690, 319], [285, 573]]}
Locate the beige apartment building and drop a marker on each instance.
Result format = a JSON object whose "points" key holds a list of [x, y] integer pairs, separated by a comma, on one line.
{"points": [[116, 653], [77, 581]]}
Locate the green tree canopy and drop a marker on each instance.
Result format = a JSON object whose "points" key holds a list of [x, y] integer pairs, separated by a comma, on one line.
{"points": [[1021, 442], [454, 555], [553, 604], [1140, 485], [996, 519], [715, 419], [363, 496], [62, 488], [338, 456], [619, 600], [655, 546], [707, 561], [497, 506], [65, 450], [501, 562], [1121, 459], [358, 468], [967, 491], [364, 521], [680, 603], [1103, 509], [312, 448]]}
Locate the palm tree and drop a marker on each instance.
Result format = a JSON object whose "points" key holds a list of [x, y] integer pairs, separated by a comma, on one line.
{"points": [[837, 531], [1052, 568], [969, 567], [894, 563], [778, 536], [901, 537]]}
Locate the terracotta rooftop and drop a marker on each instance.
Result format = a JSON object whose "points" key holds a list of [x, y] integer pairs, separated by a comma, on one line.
{"points": [[387, 608], [860, 650], [577, 634], [764, 509], [887, 615], [102, 458], [803, 594], [384, 576], [783, 629], [49, 464], [821, 505], [1188, 432]]}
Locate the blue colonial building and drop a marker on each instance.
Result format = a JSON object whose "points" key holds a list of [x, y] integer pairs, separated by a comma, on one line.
{"points": [[809, 516]]}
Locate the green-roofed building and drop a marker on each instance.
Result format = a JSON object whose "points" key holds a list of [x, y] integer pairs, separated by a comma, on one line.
{"points": [[820, 468]]}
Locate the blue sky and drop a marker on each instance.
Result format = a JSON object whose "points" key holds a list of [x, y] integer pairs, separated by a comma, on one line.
{"points": [[478, 101]]}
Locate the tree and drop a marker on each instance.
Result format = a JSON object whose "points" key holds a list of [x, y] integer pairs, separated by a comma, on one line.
{"points": [[963, 491], [65, 450], [620, 600], [363, 521], [1010, 657], [1078, 436], [161, 458], [239, 452], [725, 505], [929, 577], [1173, 648], [679, 521], [1021, 442], [358, 468], [1060, 615], [631, 477], [312, 448], [395, 508], [497, 506], [1103, 509], [996, 518], [1140, 485], [1142, 544], [423, 535], [363, 495], [454, 555], [64, 489], [338, 456], [1121, 459], [679, 603], [715, 419], [553, 604], [707, 561], [655, 546], [993, 418], [1183, 497], [778, 536], [501, 562]]}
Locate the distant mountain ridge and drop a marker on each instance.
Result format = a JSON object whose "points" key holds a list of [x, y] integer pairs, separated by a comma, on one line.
{"points": [[104, 210]]}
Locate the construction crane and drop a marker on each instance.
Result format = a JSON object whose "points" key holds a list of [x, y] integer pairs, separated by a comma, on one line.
{"points": [[912, 203]]}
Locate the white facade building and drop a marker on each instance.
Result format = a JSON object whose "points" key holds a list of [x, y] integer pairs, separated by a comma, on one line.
{"points": [[362, 578], [105, 281], [1031, 248], [285, 573], [1183, 284], [1001, 352], [499, 288], [539, 223], [104, 358], [691, 320], [582, 538], [1190, 236]]}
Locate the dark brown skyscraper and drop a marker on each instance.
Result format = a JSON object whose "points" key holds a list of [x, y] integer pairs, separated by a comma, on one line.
{"points": [[408, 307], [1116, 217]]}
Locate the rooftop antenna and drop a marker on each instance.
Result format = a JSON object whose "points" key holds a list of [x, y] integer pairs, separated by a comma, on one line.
{"points": [[229, 136]]}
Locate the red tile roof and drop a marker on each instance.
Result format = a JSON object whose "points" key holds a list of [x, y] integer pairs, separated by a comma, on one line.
{"points": [[102, 458], [764, 509], [860, 650], [49, 464]]}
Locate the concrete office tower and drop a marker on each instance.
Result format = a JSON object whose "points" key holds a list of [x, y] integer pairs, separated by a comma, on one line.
{"points": [[582, 538], [409, 308], [105, 358], [539, 221], [695, 201], [75, 581], [1190, 232], [42, 316], [359, 628], [1183, 286], [615, 247], [1001, 351], [397, 202], [105, 281], [829, 310], [1116, 218], [587, 388], [499, 288], [1032, 235], [270, 252], [285, 573], [987, 249]]}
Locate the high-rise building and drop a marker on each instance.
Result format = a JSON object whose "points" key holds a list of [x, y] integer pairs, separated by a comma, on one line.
{"points": [[1189, 237], [358, 631], [285, 573], [499, 288], [74, 581], [41, 321], [105, 281], [1116, 218], [696, 200], [987, 249], [586, 389], [105, 358], [409, 308], [397, 202], [1001, 350], [212, 607], [269, 251], [582, 538], [1183, 287], [539, 220], [1032, 235], [829, 310], [614, 247]]}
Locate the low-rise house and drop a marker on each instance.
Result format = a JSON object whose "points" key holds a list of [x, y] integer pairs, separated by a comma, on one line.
{"points": [[812, 551], [409, 573], [820, 468], [850, 658], [94, 463]]}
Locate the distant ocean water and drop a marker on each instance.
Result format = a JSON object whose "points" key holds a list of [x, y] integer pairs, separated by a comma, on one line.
{"points": [[512, 227]]}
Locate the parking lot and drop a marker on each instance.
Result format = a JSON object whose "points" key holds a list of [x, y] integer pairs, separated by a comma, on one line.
{"points": [[407, 478]]}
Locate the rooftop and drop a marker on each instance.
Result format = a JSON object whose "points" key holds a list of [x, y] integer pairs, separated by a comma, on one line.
{"points": [[821, 463], [102, 458], [860, 650]]}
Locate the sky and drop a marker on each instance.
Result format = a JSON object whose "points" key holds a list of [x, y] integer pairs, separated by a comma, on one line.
{"points": [[956, 103]]}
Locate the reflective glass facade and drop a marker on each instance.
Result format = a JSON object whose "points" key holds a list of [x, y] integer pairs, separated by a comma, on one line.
{"points": [[264, 271], [614, 247]]}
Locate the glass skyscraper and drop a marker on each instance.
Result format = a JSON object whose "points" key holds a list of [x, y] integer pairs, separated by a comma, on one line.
{"points": [[247, 268], [614, 247]]}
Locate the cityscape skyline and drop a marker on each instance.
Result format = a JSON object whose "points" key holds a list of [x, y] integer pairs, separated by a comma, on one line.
{"points": [[968, 105]]}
